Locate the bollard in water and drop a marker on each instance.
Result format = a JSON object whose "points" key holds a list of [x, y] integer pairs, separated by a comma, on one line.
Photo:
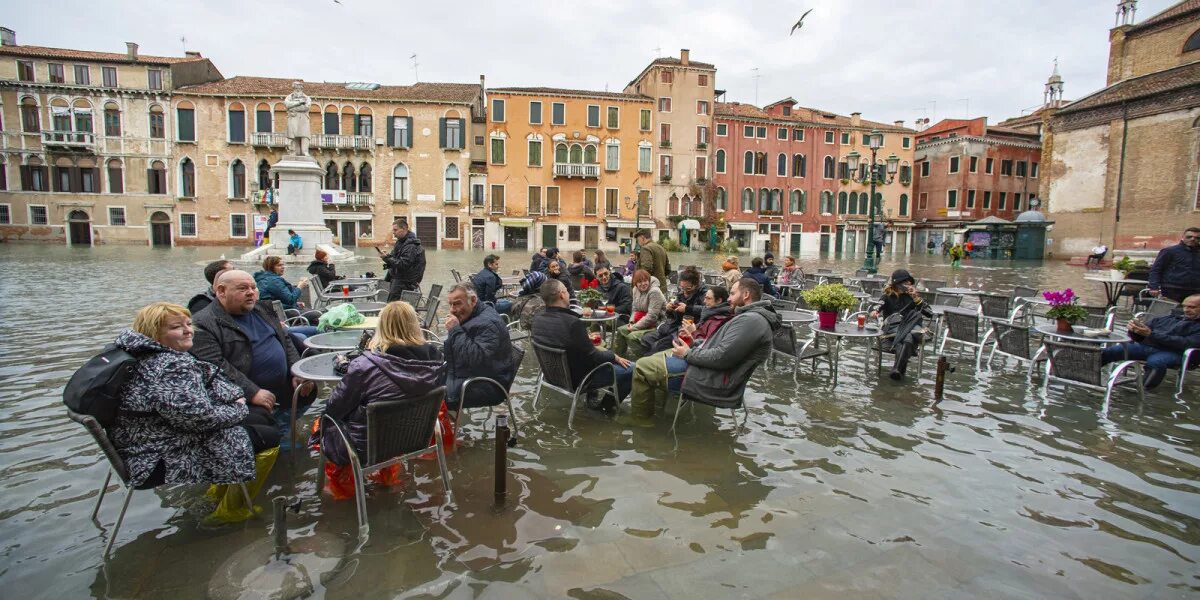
{"points": [[943, 365], [279, 525], [501, 458]]}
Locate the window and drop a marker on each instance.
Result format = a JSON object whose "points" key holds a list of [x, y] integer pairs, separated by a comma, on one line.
{"points": [[1033, 170], [760, 163], [477, 194], [787, 111], [781, 164], [664, 166], [702, 107], [400, 132], [644, 158], [264, 175], [664, 105], [558, 113], [185, 119], [112, 120], [5, 214], [400, 183], [954, 164], [110, 76], [614, 117], [796, 203], [702, 136], [497, 151], [781, 134], [747, 200], [719, 161], [905, 173], [497, 199], [1016, 202], [364, 125], [845, 138], [535, 112], [331, 126], [761, 132], [905, 142], [552, 200], [828, 171], [866, 139], [237, 179], [187, 179], [664, 134], [83, 75], [30, 121], [237, 225], [453, 184], [535, 153], [34, 178], [797, 135], [925, 168], [156, 178], [702, 80], [701, 168], [828, 137], [237, 126], [721, 202], [89, 181], [593, 115], [262, 121], [1006, 168], [535, 200], [38, 215], [589, 202], [612, 206], [187, 224], [25, 70], [987, 166], [951, 198], [1021, 166], [667, 76], [748, 167], [116, 183], [987, 200], [722, 129], [799, 165], [612, 156], [497, 110], [589, 155], [970, 199], [748, 131], [154, 80], [450, 228], [1002, 201], [973, 164], [56, 73], [451, 133], [923, 201]]}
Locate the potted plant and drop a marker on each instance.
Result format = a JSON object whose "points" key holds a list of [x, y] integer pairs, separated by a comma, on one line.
{"points": [[827, 299], [1122, 268], [589, 294], [1064, 309]]}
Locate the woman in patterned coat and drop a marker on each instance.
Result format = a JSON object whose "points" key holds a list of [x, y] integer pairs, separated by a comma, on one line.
{"points": [[180, 419]]}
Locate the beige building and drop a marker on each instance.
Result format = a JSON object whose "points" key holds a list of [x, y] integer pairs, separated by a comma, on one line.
{"points": [[85, 145], [684, 96], [387, 152]]}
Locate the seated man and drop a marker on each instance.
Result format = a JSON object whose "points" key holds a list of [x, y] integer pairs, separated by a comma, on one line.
{"points": [[688, 303], [559, 327], [487, 283], [718, 369], [211, 271], [616, 291], [251, 347], [477, 346], [1161, 342], [758, 273], [1096, 256]]}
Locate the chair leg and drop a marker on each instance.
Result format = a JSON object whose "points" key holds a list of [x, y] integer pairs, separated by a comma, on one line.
{"points": [[538, 394], [512, 417], [571, 416], [678, 407], [360, 497], [441, 456], [320, 472], [292, 417], [103, 490], [120, 519], [246, 495]]}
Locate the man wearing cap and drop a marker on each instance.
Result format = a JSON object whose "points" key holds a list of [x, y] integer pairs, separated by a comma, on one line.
{"points": [[405, 263]]}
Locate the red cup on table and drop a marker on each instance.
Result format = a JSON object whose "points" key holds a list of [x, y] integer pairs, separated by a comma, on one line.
{"points": [[345, 290], [610, 309], [862, 321]]}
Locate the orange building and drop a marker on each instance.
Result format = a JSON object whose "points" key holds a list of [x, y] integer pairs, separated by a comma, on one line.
{"points": [[567, 168]]}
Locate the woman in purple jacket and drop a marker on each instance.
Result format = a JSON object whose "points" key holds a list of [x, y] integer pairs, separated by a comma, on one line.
{"points": [[398, 365]]}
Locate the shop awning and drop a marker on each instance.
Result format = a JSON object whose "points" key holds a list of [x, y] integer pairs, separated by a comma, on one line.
{"points": [[346, 216], [516, 222], [743, 226], [623, 224], [691, 224]]}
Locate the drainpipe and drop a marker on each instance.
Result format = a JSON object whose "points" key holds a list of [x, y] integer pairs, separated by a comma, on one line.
{"points": [[1120, 173]]}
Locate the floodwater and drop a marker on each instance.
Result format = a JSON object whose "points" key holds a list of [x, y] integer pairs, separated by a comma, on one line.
{"points": [[863, 489]]}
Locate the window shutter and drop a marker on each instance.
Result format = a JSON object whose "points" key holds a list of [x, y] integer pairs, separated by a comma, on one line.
{"points": [[151, 180], [391, 132], [442, 132], [26, 178], [462, 134], [408, 134], [76, 175]]}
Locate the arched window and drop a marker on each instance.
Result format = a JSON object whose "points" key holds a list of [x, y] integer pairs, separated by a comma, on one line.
{"points": [[158, 124], [156, 178], [1192, 43], [841, 207], [348, 179], [877, 206], [776, 203], [799, 166], [826, 202], [576, 154], [781, 165], [589, 154], [828, 169], [237, 179], [794, 201], [560, 153], [112, 119], [760, 163], [364, 178], [453, 191], [748, 200], [749, 166], [852, 207], [803, 201], [903, 205], [331, 176], [673, 205], [764, 200], [720, 161], [116, 177], [264, 175], [722, 199], [187, 178], [400, 183], [31, 121]]}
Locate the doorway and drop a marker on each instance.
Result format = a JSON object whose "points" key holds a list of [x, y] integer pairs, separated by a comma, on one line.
{"points": [[516, 238], [794, 247], [550, 236], [80, 227], [348, 235], [477, 237], [427, 228], [591, 237], [160, 230]]}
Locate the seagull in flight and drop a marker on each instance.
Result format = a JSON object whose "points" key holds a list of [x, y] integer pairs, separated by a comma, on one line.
{"points": [[795, 27], [337, 2]]}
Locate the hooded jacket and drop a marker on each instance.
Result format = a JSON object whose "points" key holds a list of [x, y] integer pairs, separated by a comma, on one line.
{"points": [[406, 262], [479, 347], [617, 294], [561, 328], [719, 369], [402, 373], [272, 286], [183, 412], [1176, 267], [324, 272]]}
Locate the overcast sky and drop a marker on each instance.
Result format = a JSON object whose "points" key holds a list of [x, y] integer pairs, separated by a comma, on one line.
{"points": [[887, 59]]}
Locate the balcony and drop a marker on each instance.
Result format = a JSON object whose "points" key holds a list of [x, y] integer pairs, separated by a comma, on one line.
{"points": [[69, 140], [360, 199], [343, 142], [577, 170], [269, 139]]}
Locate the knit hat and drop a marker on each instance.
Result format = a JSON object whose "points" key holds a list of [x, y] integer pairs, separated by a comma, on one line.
{"points": [[768, 255], [900, 276], [321, 255]]}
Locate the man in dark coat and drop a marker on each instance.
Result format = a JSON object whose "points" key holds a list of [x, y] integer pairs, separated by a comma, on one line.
{"points": [[1175, 273], [689, 302], [487, 283], [406, 262], [653, 258], [477, 346], [1161, 342], [538, 261], [759, 273], [211, 271], [616, 292], [251, 347], [559, 327]]}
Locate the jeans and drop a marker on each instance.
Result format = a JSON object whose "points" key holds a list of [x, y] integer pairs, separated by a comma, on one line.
{"points": [[604, 377], [300, 333], [503, 306], [1156, 359]]}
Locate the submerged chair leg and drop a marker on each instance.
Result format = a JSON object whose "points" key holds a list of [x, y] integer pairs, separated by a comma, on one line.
{"points": [[441, 456], [360, 497], [120, 518], [103, 490]]}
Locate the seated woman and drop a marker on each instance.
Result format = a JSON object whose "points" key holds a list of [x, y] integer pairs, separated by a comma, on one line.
{"points": [[649, 306], [272, 286], [730, 271], [792, 274], [398, 365], [182, 421], [903, 312], [554, 270], [580, 267], [322, 269]]}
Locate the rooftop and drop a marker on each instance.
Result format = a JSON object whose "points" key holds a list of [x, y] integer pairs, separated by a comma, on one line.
{"points": [[802, 114], [68, 54], [1139, 87], [549, 91], [1173, 12], [459, 93]]}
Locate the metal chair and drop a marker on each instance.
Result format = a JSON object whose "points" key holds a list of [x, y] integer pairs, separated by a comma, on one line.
{"points": [[714, 281], [318, 296], [1183, 368], [412, 297], [1156, 307], [1013, 340], [862, 273], [430, 321], [518, 355], [962, 328], [382, 295], [435, 291], [940, 299], [996, 307], [555, 374], [1082, 366], [872, 287], [277, 308], [1021, 291], [116, 465], [1099, 317], [741, 395], [931, 285], [784, 343], [783, 305], [397, 430], [824, 271], [835, 279], [456, 275]]}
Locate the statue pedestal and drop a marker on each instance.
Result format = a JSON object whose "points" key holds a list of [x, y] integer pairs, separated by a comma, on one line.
{"points": [[300, 210]]}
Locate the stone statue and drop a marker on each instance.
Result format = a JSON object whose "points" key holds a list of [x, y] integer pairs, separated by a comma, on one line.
{"points": [[298, 129]]}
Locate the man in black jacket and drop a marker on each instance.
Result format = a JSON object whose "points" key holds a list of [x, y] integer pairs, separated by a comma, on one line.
{"points": [[1161, 342], [689, 302], [559, 327], [616, 291], [1175, 273], [406, 262], [477, 346], [487, 283], [250, 346], [211, 271]]}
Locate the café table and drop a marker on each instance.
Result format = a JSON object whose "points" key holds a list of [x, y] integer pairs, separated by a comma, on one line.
{"points": [[959, 291], [848, 331], [606, 321], [352, 282], [369, 308], [317, 369], [368, 323], [797, 316], [1051, 330], [1114, 287], [343, 339], [355, 294]]}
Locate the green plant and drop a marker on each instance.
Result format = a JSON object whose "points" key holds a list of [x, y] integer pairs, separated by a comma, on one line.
{"points": [[672, 245], [589, 293], [729, 246], [1126, 265], [829, 297]]}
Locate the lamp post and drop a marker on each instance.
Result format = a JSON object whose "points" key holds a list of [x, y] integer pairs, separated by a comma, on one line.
{"points": [[636, 205], [873, 177]]}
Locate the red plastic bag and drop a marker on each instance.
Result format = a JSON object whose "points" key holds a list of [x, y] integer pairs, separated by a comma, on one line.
{"points": [[448, 439], [339, 479]]}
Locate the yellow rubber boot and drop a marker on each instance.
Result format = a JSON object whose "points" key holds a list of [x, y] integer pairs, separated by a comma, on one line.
{"points": [[232, 506]]}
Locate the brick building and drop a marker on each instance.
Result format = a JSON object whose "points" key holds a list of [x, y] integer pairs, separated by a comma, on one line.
{"points": [[967, 170], [1122, 165]]}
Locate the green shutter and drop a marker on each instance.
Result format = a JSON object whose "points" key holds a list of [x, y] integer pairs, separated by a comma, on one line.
{"points": [[442, 132], [408, 142], [462, 134], [391, 132]]}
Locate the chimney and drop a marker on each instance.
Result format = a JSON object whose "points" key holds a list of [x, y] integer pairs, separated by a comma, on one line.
{"points": [[481, 81], [683, 57], [899, 123], [192, 54], [131, 50], [855, 119], [8, 37]]}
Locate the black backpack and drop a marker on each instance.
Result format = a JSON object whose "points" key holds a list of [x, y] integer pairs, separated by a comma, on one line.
{"points": [[95, 389]]}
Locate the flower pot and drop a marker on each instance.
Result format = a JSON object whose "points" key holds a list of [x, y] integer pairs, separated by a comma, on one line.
{"points": [[826, 319], [1115, 274], [1064, 326]]}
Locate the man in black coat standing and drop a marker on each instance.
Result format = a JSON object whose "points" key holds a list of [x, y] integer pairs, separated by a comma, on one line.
{"points": [[406, 262], [1175, 273]]}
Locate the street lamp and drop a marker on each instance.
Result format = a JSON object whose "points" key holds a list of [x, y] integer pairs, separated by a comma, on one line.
{"points": [[873, 177], [635, 204]]}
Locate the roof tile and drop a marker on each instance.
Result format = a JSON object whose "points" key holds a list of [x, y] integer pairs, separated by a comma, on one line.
{"points": [[549, 91], [68, 54], [462, 93], [1139, 87]]}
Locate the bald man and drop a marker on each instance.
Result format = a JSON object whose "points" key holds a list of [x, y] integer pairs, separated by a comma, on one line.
{"points": [[250, 346]]}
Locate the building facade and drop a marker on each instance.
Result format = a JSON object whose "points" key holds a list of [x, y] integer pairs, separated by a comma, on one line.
{"points": [[569, 168], [967, 170]]}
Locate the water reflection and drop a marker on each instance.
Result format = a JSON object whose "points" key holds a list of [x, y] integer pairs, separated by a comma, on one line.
{"points": [[862, 485]]}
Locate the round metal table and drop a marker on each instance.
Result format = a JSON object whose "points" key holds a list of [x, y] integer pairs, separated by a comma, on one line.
{"points": [[355, 281], [1051, 330], [842, 331], [346, 339], [369, 308], [338, 296], [798, 316], [1114, 287], [600, 317], [317, 368], [958, 291]]}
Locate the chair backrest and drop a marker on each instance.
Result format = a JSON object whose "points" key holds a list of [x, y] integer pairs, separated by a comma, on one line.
{"points": [[933, 284], [1012, 339], [1024, 292], [412, 297], [940, 299], [824, 271], [783, 305], [834, 279], [962, 325], [784, 339], [430, 313], [382, 295], [1159, 307], [456, 275], [714, 280], [994, 306], [871, 287], [861, 273], [1099, 317], [553, 362], [398, 427], [435, 292], [1075, 362], [101, 438], [277, 306], [518, 355], [801, 303]]}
